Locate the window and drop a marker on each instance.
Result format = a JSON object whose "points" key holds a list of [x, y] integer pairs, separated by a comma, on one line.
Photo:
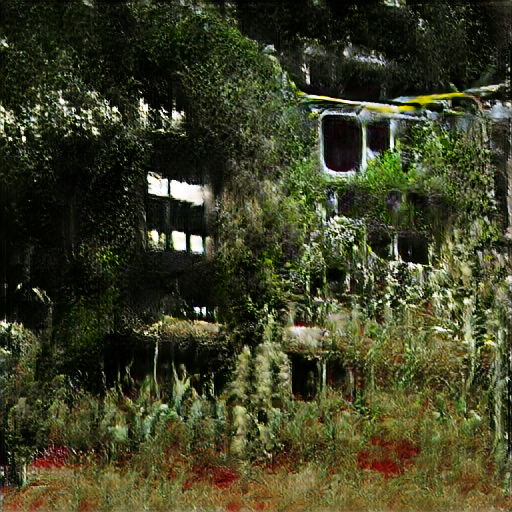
{"points": [[347, 142], [413, 249], [377, 136], [342, 143], [176, 215]]}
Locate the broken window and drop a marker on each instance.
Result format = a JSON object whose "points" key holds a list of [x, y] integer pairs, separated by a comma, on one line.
{"points": [[157, 221], [342, 143], [157, 186], [381, 244]]}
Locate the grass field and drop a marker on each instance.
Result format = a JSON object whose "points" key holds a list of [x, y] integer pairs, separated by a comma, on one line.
{"points": [[402, 451]]}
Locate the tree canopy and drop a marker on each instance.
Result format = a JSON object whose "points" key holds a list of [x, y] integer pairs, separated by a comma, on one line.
{"points": [[91, 112], [369, 49]]}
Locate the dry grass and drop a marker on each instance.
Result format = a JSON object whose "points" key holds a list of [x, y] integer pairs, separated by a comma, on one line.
{"points": [[310, 488], [398, 455]]}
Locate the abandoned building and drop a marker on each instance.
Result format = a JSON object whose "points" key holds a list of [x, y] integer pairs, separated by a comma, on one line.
{"points": [[180, 223], [177, 234], [180, 213]]}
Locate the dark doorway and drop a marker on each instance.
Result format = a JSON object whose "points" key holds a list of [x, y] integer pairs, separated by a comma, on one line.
{"points": [[304, 377], [413, 249]]}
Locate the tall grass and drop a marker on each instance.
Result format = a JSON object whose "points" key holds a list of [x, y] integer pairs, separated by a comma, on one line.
{"points": [[403, 451]]}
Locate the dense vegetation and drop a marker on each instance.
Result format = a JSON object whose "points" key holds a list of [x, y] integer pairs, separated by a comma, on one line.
{"points": [[422, 349], [367, 50]]}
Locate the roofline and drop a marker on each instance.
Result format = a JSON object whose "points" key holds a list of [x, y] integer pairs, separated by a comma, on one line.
{"points": [[397, 106]]}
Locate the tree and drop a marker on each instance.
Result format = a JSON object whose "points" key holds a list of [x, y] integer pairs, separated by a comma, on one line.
{"points": [[81, 125], [371, 50]]}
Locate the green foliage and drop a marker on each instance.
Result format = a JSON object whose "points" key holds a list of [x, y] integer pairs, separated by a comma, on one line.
{"points": [[448, 168], [384, 174], [260, 259], [242, 111], [455, 163], [405, 49], [241, 116], [259, 396]]}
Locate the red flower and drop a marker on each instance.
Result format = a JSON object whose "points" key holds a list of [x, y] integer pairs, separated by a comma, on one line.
{"points": [[55, 456]]}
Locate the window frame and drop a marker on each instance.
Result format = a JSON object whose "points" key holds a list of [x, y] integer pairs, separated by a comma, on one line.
{"points": [[364, 119], [354, 116]]}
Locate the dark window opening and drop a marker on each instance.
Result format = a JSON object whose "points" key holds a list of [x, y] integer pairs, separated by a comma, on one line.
{"points": [[342, 139], [157, 212], [406, 131], [378, 136], [335, 274], [337, 375], [413, 249], [381, 245], [346, 202], [304, 377]]}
